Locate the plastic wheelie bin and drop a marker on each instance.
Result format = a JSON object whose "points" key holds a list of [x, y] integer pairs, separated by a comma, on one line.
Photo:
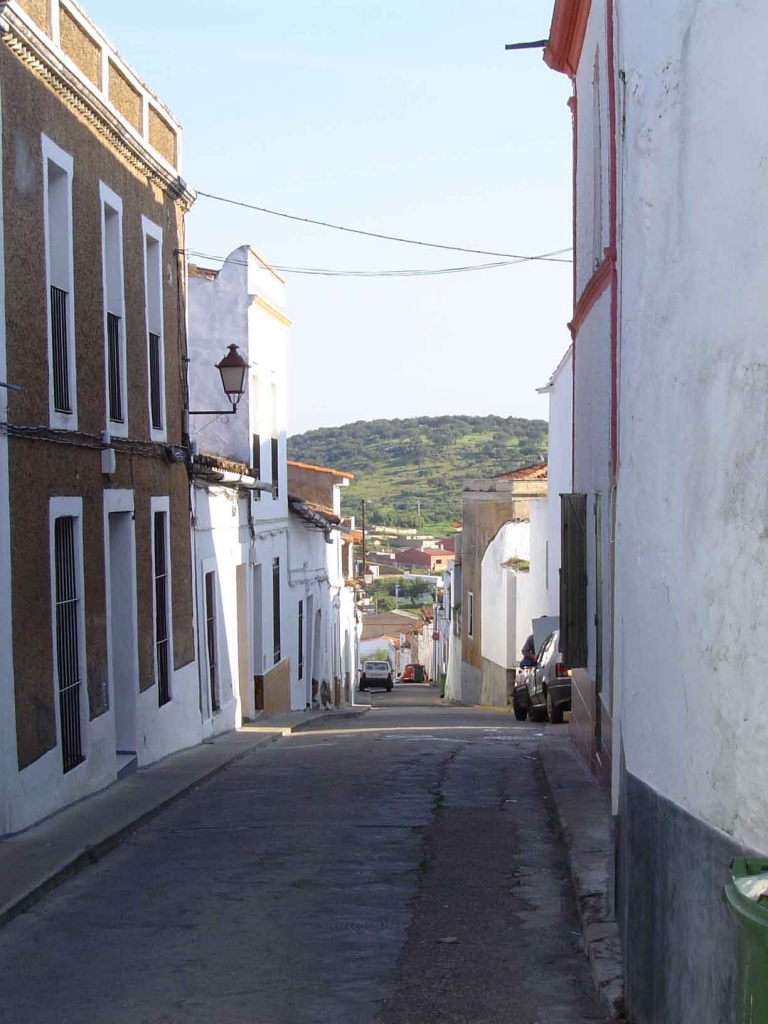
{"points": [[746, 896]]}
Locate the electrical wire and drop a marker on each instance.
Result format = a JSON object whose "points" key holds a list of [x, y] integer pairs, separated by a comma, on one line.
{"points": [[419, 272], [376, 234]]}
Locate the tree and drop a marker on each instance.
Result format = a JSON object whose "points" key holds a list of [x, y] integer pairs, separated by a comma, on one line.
{"points": [[386, 603]]}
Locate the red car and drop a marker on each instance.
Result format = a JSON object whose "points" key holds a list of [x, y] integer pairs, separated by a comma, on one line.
{"points": [[413, 673]]}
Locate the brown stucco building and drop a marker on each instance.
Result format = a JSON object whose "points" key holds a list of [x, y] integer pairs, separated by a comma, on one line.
{"points": [[94, 489]]}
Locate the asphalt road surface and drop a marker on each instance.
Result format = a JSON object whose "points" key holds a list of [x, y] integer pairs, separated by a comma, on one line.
{"points": [[400, 868]]}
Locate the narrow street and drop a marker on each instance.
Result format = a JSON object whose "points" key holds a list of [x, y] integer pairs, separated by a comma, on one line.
{"points": [[397, 868]]}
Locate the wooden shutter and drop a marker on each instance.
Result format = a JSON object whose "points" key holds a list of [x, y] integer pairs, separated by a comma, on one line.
{"points": [[573, 580]]}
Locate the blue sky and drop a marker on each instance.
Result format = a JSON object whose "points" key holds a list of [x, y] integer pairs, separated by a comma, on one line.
{"points": [[407, 118]]}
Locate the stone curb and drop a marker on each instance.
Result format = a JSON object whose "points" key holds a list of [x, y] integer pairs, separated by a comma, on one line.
{"points": [[91, 854], [357, 712], [585, 823]]}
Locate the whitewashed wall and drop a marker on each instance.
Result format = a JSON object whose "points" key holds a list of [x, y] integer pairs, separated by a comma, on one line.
{"points": [[499, 589], [559, 471], [536, 585], [315, 577], [691, 532], [592, 140], [244, 306], [369, 647]]}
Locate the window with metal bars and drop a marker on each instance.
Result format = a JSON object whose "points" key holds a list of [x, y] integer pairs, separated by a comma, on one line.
{"points": [[115, 369], [276, 608], [275, 466], [301, 639], [210, 632], [153, 280], [256, 462], [62, 401], [67, 598], [162, 632], [155, 381]]}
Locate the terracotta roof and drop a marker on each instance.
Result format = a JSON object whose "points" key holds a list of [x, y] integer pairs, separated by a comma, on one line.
{"points": [[536, 471], [222, 465], [194, 271], [320, 469], [316, 516]]}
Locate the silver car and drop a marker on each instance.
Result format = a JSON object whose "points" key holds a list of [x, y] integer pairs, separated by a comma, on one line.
{"points": [[549, 683]]}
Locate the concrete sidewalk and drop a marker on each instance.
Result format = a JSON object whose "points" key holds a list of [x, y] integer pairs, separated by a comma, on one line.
{"points": [[585, 822], [36, 860]]}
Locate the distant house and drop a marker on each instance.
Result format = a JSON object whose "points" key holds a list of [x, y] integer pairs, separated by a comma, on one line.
{"points": [[394, 622], [433, 559], [327, 631], [495, 605]]}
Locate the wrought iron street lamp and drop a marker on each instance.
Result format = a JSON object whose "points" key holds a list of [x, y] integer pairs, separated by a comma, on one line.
{"points": [[234, 374]]}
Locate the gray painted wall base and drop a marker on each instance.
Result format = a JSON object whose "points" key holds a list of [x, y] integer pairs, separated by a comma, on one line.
{"points": [[498, 684], [679, 939], [471, 684]]}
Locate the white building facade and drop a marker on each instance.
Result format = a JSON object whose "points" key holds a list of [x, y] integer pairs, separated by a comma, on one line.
{"points": [[676, 412], [546, 562], [240, 502], [325, 641]]}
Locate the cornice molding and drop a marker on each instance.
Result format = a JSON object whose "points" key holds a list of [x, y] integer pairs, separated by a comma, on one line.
{"points": [[268, 308], [566, 35], [44, 63], [593, 289]]}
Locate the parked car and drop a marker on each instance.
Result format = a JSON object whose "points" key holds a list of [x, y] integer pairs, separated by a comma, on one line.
{"points": [[520, 692], [376, 673], [549, 683], [413, 673]]}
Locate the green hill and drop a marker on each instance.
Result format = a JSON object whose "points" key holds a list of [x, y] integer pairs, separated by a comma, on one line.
{"points": [[404, 466]]}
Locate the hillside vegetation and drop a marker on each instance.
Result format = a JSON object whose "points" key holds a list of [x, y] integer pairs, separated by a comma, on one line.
{"points": [[412, 470]]}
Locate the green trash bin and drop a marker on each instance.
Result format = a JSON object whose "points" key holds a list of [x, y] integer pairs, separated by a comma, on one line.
{"points": [[751, 914], [418, 673]]}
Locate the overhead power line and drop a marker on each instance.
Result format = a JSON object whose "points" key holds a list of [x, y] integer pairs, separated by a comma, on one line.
{"points": [[417, 272], [376, 234]]}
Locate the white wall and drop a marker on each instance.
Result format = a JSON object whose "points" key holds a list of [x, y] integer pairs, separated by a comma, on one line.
{"points": [[536, 583], [691, 533], [316, 574], [368, 648], [559, 471], [592, 140], [499, 584], [244, 306]]}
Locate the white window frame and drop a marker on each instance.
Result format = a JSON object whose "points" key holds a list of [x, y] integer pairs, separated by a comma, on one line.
{"points": [[155, 233], [470, 614], [59, 508], [51, 153], [110, 199], [162, 504]]}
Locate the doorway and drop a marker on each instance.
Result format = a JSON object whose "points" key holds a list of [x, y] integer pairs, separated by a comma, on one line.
{"points": [[257, 653], [123, 648]]}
